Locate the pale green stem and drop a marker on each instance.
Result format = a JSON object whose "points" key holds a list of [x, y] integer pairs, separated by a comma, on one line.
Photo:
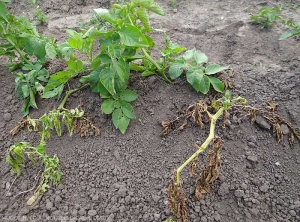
{"points": [[152, 60], [213, 120], [63, 102]]}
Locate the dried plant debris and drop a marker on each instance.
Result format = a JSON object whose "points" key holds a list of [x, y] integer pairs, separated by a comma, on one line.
{"points": [[74, 119], [177, 200], [83, 125], [211, 171], [195, 111], [275, 120], [168, 126], [193, 166]]}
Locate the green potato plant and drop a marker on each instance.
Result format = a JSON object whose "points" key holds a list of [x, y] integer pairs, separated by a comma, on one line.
{"points": [[266, 16], [198, 73]]}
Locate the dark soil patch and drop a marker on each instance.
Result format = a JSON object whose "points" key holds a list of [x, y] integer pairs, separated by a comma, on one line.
{"points": [[117, 177]]}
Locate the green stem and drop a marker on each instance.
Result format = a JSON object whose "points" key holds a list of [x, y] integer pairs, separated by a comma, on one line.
{"points": [[152, 60], [156, 65], [19, 51], [213, 121], [68, 93]]}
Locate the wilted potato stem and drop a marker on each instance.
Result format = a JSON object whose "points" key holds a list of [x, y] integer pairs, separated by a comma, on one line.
{"points": [[213, 120]]}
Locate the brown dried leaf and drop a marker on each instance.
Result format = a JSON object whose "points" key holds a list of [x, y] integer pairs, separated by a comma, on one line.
{"points": [[21, 124], [83, 126], [184, 124], [211, 171], [279, 134], [176, 200], [168, 126], [193, 166], [272, 106], [291, 139]]}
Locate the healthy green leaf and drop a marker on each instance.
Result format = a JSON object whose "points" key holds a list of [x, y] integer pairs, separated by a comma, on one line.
{"points": [[107, 80], [147, 73], [216, 83], [214, 68], [144, 18], [120, 121], [128, 95], [50, 50], [151, 5], [107, 106], [200, 57], [128, 113], [290, 33], [3, 11], [176, 69], [75, 65], [198, 80], [132, 36], [189, 54], [105, 14]]}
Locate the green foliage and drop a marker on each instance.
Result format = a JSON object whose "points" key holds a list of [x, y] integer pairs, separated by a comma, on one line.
{"points": [[226, 102], [266, 16], [290, 33], [120, 108], [40, 17], [17, 155], [28, 50], [198, 72]]}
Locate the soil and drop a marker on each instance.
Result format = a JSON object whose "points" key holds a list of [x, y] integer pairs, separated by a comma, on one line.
{"points": [[115, 177]]}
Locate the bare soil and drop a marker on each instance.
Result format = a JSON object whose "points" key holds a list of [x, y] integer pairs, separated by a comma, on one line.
{"points": [[115, 177]]}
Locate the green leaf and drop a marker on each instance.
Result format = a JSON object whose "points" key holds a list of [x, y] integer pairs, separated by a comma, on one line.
{"points": [[120, 121], [25, 90], [58, 79], [128, 95], [128, 113], [132, 36], [176, 69], [147, 73], [151, 5], [105, 14], [198, 80], [66, 50], [216, 83], [107, 106], [200, 57], [52, 93], [214, 68], [107, 80], [188, 54], [26, 106], [75, 43], [3, 11], [136, 67], [41, 149], [32, 100], [75, 65], [50, 50], [143, 16], [35, 47], [120, 67], [57, 126], [290, 33]]}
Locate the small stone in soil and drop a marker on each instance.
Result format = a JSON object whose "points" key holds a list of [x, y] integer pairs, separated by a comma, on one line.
{"points": [[262, 123]]}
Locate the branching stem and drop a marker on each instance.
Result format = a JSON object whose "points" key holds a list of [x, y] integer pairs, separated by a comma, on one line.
{"points": [[213, 120], [68, 93]]}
